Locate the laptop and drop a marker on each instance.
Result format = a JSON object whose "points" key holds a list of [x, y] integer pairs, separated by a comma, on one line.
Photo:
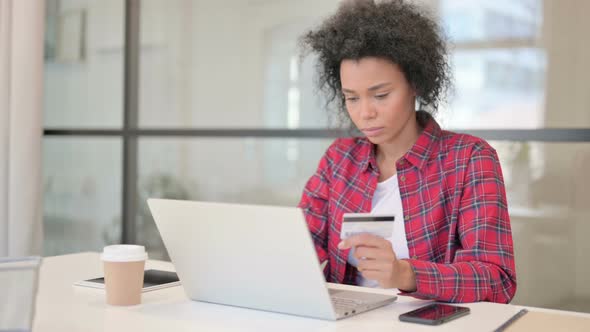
{"points": [[252, 256]]}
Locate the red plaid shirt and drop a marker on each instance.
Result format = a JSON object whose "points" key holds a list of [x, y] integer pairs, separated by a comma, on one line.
{"points": [[456, 215]]}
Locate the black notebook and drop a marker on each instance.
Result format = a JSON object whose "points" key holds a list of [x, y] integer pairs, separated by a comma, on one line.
{"points": [[152, 280]]}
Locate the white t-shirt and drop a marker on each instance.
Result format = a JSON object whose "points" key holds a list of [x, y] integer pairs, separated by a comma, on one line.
{"points": [[387, 200]]}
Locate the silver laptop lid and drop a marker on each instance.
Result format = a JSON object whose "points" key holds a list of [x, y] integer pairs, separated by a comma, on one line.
{"points": [[251, 256]]}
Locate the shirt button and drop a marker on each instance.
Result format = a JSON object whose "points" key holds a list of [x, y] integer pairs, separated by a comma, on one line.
{"points": [[403, 178], [414, 257], [407, 218]]}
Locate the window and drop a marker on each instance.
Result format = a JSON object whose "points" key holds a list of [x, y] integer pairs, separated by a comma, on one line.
{"points": [[158, 99]]}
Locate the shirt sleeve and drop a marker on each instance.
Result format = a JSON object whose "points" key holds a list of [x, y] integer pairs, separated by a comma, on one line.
{"points": [[483, 269], [314, 203]]}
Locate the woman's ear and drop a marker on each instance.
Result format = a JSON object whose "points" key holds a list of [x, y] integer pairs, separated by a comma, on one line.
{"points": [[418, 103]]}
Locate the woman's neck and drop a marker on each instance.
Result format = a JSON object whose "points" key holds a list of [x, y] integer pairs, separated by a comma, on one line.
{"points": [[388, 153]]}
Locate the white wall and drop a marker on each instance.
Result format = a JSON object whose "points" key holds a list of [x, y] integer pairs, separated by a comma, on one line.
{"points": [[568, 105]]}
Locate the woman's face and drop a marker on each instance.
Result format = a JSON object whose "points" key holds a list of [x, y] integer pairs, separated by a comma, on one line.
{"points": [[378, 98]]}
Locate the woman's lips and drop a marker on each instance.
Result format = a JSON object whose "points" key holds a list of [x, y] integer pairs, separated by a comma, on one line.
{"points": [[373, 131]]}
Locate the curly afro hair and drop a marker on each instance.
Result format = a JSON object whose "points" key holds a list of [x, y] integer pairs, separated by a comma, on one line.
{"points": [[395, 30]]}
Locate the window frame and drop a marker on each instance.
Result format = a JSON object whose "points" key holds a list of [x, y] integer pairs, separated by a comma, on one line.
{"points": [[130, 133]]}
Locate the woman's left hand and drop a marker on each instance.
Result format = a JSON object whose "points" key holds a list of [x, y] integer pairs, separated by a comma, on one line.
{"points": [[377, 261]]}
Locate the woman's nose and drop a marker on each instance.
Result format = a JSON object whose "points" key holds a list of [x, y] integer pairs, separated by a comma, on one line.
{"points": [[367, 110]]}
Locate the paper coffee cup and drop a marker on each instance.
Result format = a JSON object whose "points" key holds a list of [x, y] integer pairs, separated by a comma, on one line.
{"points": [[123, 273]]}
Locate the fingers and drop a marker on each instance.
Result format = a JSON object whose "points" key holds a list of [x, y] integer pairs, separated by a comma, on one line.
{"points": [[374, 253], [366, 240], [375, 266], [372, 275], [382, 272]]}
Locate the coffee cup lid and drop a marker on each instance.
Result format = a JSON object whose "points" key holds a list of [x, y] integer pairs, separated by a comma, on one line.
{"points": [[124, 253]]}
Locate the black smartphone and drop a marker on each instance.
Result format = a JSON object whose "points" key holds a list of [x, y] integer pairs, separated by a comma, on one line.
{"points": [[434, 314]]}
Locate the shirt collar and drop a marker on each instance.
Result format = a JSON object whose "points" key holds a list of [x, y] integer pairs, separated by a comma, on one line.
{"points": [[420, 152]]}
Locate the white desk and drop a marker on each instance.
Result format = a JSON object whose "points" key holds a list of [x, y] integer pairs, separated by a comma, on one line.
{"points": [[64, 307]]}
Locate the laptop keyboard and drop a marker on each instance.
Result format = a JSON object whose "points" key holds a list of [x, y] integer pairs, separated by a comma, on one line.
{"points": [[347, 303]]}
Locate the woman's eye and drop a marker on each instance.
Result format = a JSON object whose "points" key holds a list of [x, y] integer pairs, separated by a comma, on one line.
{"points": [[352, 98], [382, 96]]}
